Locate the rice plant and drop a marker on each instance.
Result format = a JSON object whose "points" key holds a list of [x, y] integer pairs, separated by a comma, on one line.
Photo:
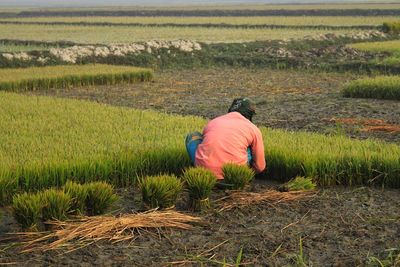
{"points": [[237, 176], [199, 181], [391, 27], [300, 183], [56, 204], [160, 191], [27, 210], [100, 196], [79, 195], [384, 46], [43, 78], [383, 87]]}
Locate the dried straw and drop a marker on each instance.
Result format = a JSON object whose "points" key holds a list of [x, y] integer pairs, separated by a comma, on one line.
{"points": [[89, 230], [241, 199]]}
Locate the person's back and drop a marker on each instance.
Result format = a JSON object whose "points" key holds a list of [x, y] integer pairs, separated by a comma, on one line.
{"points": [[226, 139]]}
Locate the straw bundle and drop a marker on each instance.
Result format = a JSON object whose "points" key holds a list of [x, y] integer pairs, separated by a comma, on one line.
{"points": [[88, 230], [243, 199]]}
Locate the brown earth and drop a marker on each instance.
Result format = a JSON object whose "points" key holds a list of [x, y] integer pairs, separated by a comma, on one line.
{"points": [[338, 227], [294, 100]]}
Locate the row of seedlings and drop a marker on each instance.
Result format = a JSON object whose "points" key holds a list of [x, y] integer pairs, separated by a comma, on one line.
{"points": [[31, 210]]}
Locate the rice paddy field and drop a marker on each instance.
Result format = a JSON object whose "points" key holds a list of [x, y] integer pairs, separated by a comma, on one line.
{"points": [[121, 34], [260, 20], [40, 78], [73, 125]]}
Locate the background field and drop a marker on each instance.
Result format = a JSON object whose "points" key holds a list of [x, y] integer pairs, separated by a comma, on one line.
{"points": [[261, 20], [107, 35]]}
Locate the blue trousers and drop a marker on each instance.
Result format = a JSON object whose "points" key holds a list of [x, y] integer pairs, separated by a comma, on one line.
{"points": [[193, 140]]}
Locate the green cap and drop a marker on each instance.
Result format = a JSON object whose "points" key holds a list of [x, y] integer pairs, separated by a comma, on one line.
{"points": [[244, 106]]}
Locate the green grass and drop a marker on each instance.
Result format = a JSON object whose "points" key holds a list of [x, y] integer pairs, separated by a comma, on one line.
{"points": [[383, 87], [274, 20], [47, 141], [39, 78], [123, 34]]}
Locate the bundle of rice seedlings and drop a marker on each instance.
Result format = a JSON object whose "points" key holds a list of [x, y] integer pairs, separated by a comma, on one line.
{"points": [[56, 204], [300, 183], [199, 182], [237, 176], [160, 191], [78, 194], [27, 209], [100, 196]]}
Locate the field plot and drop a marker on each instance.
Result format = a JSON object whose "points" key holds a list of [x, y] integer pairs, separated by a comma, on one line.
{"points": [[11, 48], [121, 34], [386, 46], [384, 87], [37, 78], [265, 20], [46, 141]]}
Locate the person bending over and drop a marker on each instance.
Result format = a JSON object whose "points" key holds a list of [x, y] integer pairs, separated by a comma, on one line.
{"points": [[230, 138]]}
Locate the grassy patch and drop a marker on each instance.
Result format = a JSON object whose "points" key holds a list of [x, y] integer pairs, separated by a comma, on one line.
{"points": [[27, 209], [56, 204], [384, 87], [38, 78], [47, 141], [12, 48]]}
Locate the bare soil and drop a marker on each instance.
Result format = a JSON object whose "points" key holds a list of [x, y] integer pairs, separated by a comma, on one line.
{"points": [[338, 227], [293, 100]]}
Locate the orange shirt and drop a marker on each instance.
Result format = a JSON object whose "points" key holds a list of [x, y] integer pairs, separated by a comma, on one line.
{"points": [[226, 139]]}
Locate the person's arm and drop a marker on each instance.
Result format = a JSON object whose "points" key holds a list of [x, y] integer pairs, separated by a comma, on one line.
{"points": [[258, 153]]}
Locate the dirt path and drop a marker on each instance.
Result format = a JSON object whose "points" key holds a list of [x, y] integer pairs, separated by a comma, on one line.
{"points": [[292, 100], [338, 227]]}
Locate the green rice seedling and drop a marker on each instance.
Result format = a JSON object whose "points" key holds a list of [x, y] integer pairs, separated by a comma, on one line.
{"points": [[383, 87], [100, 196], [43, 78], [391, 27], [160, 191], [56, 204], [79, 194], [300, 183], [27, 210], [237, 176], [199, 181]]}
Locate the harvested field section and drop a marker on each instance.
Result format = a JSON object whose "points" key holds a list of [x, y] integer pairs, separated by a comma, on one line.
{"points": [[47, 141], [121, 34], [37, 78]]}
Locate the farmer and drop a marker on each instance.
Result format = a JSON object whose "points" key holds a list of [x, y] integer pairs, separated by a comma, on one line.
{"points": [[230, 138]]}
